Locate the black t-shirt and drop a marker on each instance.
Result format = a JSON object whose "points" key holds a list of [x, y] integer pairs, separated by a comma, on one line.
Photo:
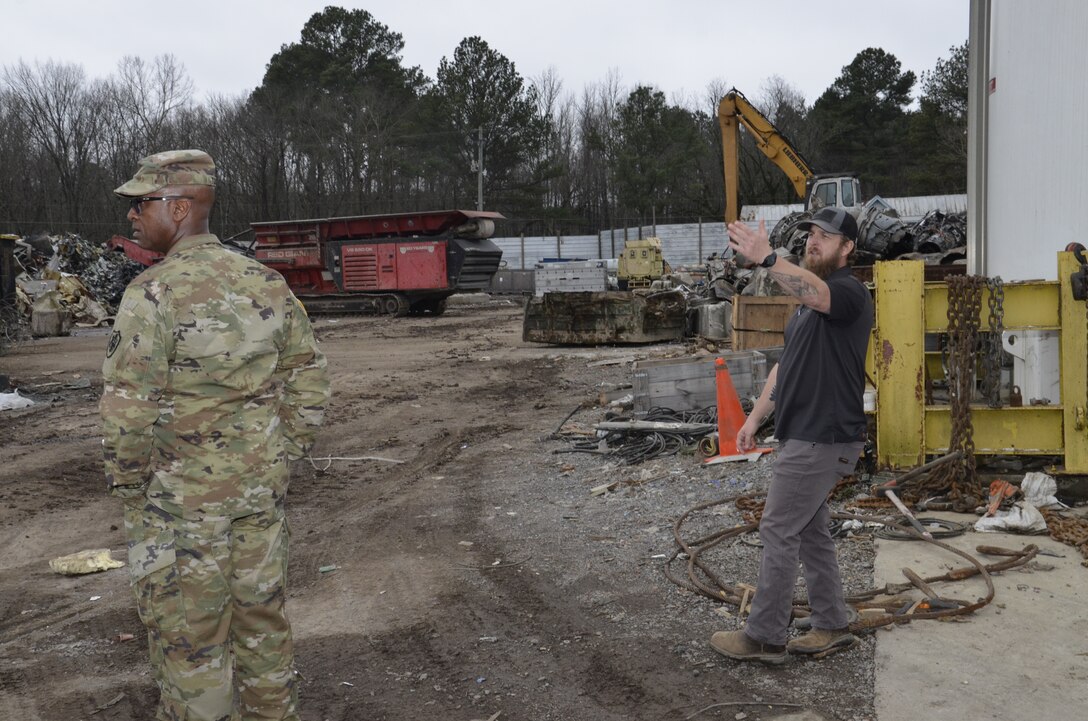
{"points": [[821, 374]]}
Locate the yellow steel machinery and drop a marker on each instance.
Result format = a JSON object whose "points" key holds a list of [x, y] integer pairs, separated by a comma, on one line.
{"points": [[734, 111], [641, 264], [908, 428]]}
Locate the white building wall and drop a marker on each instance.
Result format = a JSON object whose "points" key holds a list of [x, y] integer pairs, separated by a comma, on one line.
{"points": [[1037, 137]]}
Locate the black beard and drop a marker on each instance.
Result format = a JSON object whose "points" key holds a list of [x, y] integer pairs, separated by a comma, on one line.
{"points": [[821, 267]]}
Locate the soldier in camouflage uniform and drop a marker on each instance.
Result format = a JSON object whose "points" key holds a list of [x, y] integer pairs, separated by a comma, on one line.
{"points": [[212, 382]]}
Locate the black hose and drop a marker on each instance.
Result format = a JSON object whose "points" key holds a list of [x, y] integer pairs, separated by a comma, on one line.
{"points": [[636, 446], [937, 527]]}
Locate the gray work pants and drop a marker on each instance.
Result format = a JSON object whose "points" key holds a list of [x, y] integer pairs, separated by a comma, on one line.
{"points": [[794, 528]]}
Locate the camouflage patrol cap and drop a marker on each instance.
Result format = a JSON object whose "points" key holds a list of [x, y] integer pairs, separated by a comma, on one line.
{"points": [[172, 167]]}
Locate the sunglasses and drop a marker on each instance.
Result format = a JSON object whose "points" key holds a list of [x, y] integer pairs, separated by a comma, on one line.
{"points": [[135, 203]]}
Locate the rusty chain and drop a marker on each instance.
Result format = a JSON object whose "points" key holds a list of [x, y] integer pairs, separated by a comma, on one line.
{"points": [[994, 356], [959, 480], [1086, 339], [873, 502], [751, 508], [1071, 531]]}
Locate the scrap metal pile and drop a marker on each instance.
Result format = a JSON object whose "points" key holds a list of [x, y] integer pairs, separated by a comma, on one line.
{"points": [[937, 239], [661, 432], [82, 278], [104, 272], [916, 598], [656, 433], [891, 604]]}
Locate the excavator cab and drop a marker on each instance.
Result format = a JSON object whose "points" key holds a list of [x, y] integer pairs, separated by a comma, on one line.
{"points": [[842, 191]]}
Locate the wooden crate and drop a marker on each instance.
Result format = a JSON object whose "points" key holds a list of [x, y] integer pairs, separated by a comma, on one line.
{"points": [[686, 384], [760, 321]]}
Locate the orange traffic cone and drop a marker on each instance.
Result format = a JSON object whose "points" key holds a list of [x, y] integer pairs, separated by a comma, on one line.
{"points": [[730, 419]]}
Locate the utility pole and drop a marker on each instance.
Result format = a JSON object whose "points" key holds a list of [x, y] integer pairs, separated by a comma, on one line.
{"points": [[479, 168]]}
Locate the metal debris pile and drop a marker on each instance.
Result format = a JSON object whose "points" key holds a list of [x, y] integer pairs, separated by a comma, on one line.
{"points": [[661, 432], [940, 233], [104, 272], [937, 239], [891, 604], [69, 274]]}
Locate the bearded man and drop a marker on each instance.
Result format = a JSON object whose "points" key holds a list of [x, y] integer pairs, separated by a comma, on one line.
{"points": [[817, 390]]}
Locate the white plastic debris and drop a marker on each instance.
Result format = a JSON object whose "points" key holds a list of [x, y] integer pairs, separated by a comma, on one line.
{"points": [[1039, 489], [1021, 518], [11, 401]]}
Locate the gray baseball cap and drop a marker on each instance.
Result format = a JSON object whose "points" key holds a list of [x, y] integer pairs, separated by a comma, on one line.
{"points": [[172, 167], [833, 220]]}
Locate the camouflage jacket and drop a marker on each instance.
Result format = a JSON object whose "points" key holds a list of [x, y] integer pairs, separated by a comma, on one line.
{"points": [[212, 381]]}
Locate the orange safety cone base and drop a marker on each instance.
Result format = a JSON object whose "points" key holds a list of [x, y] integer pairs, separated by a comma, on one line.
{"points": [[730, 419], [752, 456]]}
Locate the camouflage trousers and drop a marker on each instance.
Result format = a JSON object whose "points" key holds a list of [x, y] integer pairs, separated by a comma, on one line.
{"points": [[211, 593]]}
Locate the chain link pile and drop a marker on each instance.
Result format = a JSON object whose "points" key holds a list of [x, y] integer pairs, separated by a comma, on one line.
{"points": [[1070, 531]]}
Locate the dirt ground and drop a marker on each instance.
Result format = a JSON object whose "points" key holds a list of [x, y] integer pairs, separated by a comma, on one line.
{"points": [[478, 578]]}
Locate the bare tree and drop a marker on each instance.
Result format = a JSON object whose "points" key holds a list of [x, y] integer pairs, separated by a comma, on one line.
{"points": [[777, 97], [784, 105], [20, 201], [64, 118], [715, 91], [150, 93], [558, 151], [597, 116]]}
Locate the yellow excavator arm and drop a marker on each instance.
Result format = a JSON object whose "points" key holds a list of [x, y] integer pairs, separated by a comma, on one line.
{"points": [[734, 110]]}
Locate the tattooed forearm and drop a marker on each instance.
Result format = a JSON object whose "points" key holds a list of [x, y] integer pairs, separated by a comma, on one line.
{"points": [[794, 286]]}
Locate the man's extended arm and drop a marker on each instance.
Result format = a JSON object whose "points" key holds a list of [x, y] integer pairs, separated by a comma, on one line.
{"points": [[802, 284]]}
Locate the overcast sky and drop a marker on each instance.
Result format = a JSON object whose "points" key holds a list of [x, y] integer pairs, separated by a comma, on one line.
{"points": [[679, 47]]}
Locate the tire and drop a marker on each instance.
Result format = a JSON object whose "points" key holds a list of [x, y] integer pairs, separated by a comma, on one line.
{"points": [[390, 305]]}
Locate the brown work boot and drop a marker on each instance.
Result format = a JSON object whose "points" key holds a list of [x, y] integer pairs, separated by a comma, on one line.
{"points": [[737, 645], [819, 640]]}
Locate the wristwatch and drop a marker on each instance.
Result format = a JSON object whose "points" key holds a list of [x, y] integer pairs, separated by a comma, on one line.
{"points": [[769, 260]]}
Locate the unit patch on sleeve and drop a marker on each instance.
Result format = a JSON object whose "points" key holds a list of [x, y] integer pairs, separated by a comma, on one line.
{"points": [[115, 341]]}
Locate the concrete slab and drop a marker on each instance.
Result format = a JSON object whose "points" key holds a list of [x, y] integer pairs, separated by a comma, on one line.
{"points": [[1024, 656]]}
